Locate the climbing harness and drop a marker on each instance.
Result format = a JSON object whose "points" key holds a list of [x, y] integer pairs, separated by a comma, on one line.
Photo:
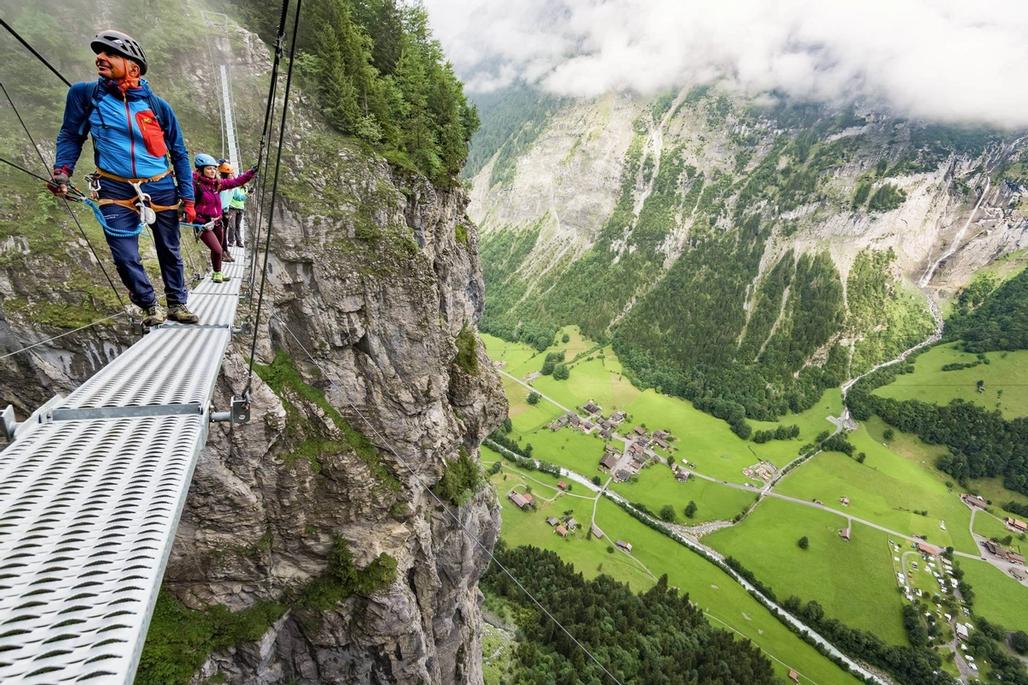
{"points": [[142, 205]]}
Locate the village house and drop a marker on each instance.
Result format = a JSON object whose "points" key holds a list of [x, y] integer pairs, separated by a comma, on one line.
{"points": [[609, 461], [991, 547], [560, 422], [552, 521], [562, 485], [974, 500], [930, 550], [574, 419], [845, 533], [682, 475], [794, 676], [591, 407], [587, 426], [571, 523], [617, 417], [520, 500], [596, 532], [605, 434], [622, 475], [561, 531], [844, 501], [963, 631], [1016, 524], [661, 443], [627, 546], [532, 376], [639, 430], [1015, 557]]}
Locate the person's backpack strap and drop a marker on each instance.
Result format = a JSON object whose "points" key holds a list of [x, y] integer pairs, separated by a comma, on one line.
{"points": [[94, 100]]}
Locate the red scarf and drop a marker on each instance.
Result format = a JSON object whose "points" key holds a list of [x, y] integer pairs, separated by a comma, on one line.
{"points": [[127, 83]]}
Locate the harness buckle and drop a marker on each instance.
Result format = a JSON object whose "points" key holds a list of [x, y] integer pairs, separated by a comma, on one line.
{"points": [[146, 212]]}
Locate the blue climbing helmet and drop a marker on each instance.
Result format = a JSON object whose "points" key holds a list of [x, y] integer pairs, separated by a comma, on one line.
{"points": [[203, 160]]}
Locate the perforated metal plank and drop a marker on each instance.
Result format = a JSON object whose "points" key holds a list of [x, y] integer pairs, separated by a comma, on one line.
{"points": [[229, 287], [88, 512], [213, 310], [168, 366]]}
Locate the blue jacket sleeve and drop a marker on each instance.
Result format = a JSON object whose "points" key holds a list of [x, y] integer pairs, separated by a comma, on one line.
{"points": [[75, 127], [179, 155]]}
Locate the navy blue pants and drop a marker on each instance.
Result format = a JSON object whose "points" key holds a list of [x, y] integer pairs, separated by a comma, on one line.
{"points": [[165, 235]]}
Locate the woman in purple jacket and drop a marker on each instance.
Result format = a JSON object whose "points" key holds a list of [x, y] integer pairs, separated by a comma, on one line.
{"points": [[207, 187]]}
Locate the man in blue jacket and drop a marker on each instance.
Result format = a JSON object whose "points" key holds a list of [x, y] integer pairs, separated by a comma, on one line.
{"points": [[134, 134]]}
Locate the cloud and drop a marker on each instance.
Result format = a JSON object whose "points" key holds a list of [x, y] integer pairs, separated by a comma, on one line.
{"points": [[944, 60]]}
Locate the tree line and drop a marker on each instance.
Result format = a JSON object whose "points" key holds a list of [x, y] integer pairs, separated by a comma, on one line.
{"points": [[380, 77], [656, 637]]}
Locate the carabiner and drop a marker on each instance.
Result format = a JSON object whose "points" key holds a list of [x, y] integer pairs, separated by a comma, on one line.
{"points": [[146, 213], [93, 180]]}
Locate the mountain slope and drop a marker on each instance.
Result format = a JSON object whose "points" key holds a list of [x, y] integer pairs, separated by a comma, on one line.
{"points": [[744, 257]]}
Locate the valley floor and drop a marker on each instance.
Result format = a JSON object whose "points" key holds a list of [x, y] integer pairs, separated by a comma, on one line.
{"points": [[746, 507]]}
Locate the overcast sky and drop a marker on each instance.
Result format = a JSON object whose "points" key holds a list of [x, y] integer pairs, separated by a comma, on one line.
{"points": [[944, 60]]}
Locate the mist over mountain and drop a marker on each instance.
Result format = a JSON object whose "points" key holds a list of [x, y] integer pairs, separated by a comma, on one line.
{"points": [[942, 61]]}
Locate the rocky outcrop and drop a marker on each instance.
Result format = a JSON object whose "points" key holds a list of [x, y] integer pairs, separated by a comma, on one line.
{"points": [[364, 308]]}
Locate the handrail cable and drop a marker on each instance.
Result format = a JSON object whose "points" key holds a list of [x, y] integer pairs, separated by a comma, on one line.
{"points": [[61, 335], [269, 117], [67, 204], [31, 49], [456, 520], [274, 194]]}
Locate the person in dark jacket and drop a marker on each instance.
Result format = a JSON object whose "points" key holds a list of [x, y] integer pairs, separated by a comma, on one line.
{"points": [[208, 188], [134, 134]]}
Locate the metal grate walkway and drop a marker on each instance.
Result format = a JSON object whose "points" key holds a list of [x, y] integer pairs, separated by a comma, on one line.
{"points": [[90, 497]]}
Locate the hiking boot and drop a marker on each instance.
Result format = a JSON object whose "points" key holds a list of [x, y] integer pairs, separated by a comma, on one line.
{"points": [[152, 316], [226, 257], [180, 313], [218, 277]]}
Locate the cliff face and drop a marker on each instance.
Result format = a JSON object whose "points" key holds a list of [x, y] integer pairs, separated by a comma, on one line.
{"points": [[372, 391], [271, 501]]}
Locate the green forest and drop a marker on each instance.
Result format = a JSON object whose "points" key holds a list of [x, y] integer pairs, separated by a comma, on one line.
{"points": [[982, 443], [657, 637], [380, 77]]}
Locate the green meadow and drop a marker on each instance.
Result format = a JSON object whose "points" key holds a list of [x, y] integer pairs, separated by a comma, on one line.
{"points": [[897, 486], [997, 597], [654, 489], [992, 489], [854, 581], [706, 442], [1005, 377], [725, 602], [896, 481]]}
